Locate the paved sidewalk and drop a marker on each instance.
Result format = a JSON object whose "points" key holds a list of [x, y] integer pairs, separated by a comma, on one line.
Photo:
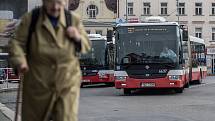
{"points": [[8, 85], [3, 117]]}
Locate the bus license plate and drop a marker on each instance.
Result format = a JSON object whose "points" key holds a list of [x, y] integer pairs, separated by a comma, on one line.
{"points": [[148, 85]]}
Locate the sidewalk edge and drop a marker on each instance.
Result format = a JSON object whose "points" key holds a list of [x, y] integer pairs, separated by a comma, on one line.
{"points": [[8, 112], [8, 89]]}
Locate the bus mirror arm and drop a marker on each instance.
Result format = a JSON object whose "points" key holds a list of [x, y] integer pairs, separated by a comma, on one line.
{"points": [[110, 36]]}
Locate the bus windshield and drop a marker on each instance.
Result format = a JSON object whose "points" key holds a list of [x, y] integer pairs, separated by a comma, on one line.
{"points": [[96, 57], [147, 44]]}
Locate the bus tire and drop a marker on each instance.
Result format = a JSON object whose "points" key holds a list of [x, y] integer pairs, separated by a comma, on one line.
{"points": [[179, 90], [127, 91], [110, 84], [200, 78], [187, 85], [82, 85]]}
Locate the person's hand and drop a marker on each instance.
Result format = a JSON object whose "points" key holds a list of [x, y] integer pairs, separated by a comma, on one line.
{"points": [[73, 33], [23, 68]]}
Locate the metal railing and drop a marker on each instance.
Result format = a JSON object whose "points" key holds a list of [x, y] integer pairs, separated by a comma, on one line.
{"points": [[8, 80]]}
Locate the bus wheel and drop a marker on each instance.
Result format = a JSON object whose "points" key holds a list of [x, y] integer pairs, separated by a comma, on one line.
{"points": [[179, 90], [200, 78], [82, 85], [110, 84], [187, 85], [127, 91]]}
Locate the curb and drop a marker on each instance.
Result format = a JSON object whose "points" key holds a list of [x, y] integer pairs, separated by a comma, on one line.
{"points": [[202, 85], [8, 89], [8, 112]]}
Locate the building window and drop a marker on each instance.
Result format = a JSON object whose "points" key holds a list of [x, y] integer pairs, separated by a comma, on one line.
{"points": [[198, 8], [213, 8], [198, 32], [130, 8], [181, 8], [88, 31], [99, 32], [92, 11], [213, 34], [163, 8], [146, 8]]}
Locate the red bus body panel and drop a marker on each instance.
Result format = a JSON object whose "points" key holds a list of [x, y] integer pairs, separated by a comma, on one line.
{"points": [[12, 76], [109, 78]]}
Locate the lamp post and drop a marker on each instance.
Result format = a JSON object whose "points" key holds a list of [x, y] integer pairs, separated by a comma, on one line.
{"points": [[177, 4], [126, 10]]}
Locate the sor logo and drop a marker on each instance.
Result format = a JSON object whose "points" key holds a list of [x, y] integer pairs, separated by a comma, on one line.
{"points": [[147, 67], [163, 71], [85, 68]]}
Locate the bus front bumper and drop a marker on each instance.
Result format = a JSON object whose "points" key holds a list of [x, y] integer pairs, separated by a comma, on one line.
{"points": [[149, 83], [97, 79]]}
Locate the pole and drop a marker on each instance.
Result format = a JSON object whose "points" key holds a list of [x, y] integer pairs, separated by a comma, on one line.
{"points": [[127, 11], [178, 10], [19, 91], [7, 70], [213, 64], [117, 8]]}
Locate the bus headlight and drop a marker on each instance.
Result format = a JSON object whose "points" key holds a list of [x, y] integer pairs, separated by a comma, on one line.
{"points": [[103, 76], [175, 77], [120, 78]]}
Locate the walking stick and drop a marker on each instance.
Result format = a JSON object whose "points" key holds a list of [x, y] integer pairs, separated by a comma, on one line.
{"points": [[19, 91]]}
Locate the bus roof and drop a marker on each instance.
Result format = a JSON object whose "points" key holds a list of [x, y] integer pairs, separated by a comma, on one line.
{"points": [[96, 37], [4, 54], [148, 24], [197, 40]]}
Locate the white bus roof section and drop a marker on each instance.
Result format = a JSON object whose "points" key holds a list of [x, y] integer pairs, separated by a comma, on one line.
{"points": [[4, 14], [96, 37], [4, 54], [196, 39], [154, 19], [148, 24]]}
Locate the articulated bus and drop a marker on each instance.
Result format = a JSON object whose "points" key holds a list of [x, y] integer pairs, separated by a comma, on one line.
{"points": [[95, 65], [6, 73], [157, 54], [197, 52]]}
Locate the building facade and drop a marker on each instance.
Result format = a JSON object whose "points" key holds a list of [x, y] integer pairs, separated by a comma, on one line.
{"points": [[198, 15], [33, 3], [18, 7], [98, 15]]}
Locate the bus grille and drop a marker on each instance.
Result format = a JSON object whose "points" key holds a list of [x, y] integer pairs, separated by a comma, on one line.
{"points": [[147, 76]]}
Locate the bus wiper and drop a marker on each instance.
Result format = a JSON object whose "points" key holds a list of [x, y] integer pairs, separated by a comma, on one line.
{"points": [[169, 65]]}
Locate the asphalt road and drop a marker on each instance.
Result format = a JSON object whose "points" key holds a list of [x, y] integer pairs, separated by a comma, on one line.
{"points": [[101, 103], [107, 104]]}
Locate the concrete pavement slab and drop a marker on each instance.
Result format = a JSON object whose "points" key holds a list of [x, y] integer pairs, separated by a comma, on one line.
{"points": [[3, 117]]}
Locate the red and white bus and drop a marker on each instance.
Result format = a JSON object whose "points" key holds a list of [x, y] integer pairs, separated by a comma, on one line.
{"points": [[6, 73], [197, 54], [157, 54], [95, 65]]}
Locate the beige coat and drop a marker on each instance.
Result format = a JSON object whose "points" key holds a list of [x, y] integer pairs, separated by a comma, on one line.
{"points": [[52, 84]]}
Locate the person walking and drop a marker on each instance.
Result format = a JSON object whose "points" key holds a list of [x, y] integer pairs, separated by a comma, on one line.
{"points": [[45, 49]]}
